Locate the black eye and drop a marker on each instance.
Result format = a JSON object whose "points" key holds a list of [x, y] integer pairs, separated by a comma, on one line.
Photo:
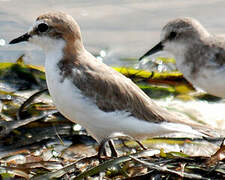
{"points": [[42, 27], [172, 35]]}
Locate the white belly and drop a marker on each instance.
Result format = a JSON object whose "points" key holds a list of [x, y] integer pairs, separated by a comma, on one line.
{"points": [[210, 80]]}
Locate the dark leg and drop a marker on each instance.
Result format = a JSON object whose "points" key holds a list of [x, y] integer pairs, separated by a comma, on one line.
{"points": [[102, 148], [112, 148], [108, 139]]}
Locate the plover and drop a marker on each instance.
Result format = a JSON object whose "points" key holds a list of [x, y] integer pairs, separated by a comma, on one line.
{"points": [[199, 55], [90, 93]]}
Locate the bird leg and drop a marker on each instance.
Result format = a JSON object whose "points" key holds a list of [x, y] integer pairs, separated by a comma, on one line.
{"points": [[109, 140]]}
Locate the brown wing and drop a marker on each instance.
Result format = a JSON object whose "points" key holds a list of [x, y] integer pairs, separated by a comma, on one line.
{"points": [[112, 91]]}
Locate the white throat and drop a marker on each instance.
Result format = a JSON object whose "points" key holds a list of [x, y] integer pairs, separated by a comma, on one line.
{"points": [[178, 50], [49, 45]]}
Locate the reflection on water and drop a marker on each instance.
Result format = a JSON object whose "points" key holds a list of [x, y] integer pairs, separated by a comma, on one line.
{"points": [[2, 42], [123, 28]]}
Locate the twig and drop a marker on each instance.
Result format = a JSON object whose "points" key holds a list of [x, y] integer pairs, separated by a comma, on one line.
{"points": [[11, 125], [28, 101], [165, 169]]}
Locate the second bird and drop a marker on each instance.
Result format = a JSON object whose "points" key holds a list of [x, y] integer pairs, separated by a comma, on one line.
{"points": [[199, 55]]}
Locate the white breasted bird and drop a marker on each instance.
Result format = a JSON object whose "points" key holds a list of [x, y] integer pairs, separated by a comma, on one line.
{"points": [[199, 55], [90, 93]]}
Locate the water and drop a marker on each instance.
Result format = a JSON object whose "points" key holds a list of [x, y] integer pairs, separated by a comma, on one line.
{"points": [[121, 28], [115, 29]]}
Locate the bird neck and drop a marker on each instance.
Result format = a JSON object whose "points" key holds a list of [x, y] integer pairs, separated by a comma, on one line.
{"points": [[72, 50]]}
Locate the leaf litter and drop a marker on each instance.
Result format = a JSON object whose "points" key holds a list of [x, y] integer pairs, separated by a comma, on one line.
{"points": [[37, 142]]}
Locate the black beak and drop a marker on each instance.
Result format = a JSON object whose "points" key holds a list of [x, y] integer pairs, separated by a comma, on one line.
{"points": [[158, 47], [22, 38]]}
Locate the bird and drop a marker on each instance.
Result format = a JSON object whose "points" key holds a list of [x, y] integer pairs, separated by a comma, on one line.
{"points": [[199, 55], [92, 94]]}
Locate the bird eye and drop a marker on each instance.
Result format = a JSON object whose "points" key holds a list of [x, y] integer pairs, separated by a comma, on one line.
{"points": [[172, 35], [42, 27]]}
